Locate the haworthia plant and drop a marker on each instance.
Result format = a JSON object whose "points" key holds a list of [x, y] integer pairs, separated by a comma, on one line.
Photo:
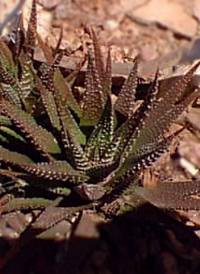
{"points": [[82, 150]]}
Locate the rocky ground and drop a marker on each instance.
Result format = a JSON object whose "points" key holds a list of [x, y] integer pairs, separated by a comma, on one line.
{"points": [[142, 240]]}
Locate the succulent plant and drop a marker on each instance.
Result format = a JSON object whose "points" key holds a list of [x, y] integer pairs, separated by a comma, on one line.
{"points": [[84, 151]]}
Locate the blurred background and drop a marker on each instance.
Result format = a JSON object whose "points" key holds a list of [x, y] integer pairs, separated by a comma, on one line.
{"points": [[161, 32], [152, 28]]}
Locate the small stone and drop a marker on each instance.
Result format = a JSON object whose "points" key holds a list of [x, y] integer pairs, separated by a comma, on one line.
{"points": [[172, 15], [49, 4], [196, 9], [111, 24]]}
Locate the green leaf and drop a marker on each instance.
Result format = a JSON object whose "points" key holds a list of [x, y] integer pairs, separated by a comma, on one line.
{"points": [[126, 99], [5, 121], [12, 157], [25, 204], [99, 64], [9, 87], [93, 99], [39, 137], [11, 133], [30, 40], [74, 151], [146, 154], [64, 191], [130, 166], [67, 121], [64, 89], [27, 82], [47, 51], [6, 58], [108, 74], [172, 195], [162, 113], [102, 134], [58, 80], [49, 104], [55, 171]]}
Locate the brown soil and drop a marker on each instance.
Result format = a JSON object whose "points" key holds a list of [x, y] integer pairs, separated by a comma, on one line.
{"points": [[142, 240]]}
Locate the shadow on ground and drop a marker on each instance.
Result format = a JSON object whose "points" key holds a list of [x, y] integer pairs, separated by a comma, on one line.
{"points": [[146, 240]]}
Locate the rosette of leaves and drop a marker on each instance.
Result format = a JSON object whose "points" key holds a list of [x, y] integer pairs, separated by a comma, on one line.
{"points": [[88, 150]]}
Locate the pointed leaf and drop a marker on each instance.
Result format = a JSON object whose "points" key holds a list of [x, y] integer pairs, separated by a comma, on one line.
{"points": [[59, 81], [40, 137], [93, 99], [5, 121], [126, 99], [64, 89], [9, 87], [143, 159], [25, 204], [102, 134], [32, 30], [55, 171], [47, 51], [162, 113], [49, 104], [174, 195], [11, 133], [67, 120], [19, 37], [27, 77], [108, 74], [98, 56], [6, 58], [74, 152], [12, 157]]}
